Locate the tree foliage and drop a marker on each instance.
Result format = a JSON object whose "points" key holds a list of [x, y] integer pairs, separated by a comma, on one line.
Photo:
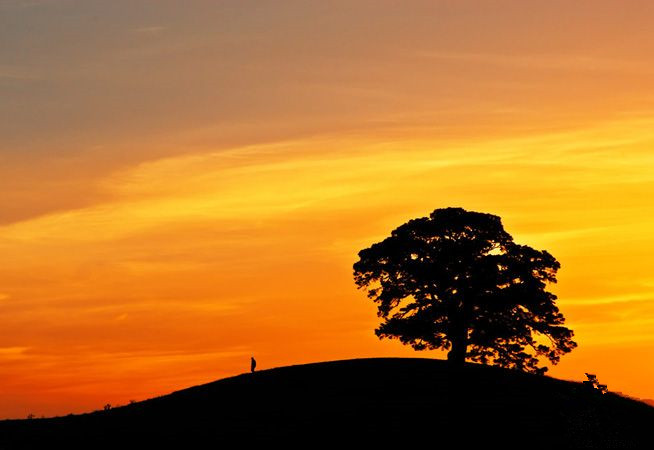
{"points": [[456, 281]]}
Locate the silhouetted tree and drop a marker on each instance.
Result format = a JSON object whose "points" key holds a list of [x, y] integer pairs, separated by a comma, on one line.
{"points": [[456, 281]]}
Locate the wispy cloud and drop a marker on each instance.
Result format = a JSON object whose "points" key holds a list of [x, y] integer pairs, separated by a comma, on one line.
{"points": [[534, 61], [149, 29], [611, 300], [265, 181], [12, 353], [15, 73]]}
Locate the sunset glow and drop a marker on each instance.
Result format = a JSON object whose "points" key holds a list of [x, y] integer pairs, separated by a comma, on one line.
{"points": [[184, 186]]}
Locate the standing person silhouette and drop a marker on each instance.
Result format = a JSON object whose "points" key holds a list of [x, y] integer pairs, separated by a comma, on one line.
{"points": [[253, 364]]}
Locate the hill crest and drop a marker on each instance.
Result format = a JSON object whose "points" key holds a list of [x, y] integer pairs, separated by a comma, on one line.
{"points": [[379, 400]]}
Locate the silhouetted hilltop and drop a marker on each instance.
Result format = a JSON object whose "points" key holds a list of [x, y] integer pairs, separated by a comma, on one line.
{"points": [[373, 401]]}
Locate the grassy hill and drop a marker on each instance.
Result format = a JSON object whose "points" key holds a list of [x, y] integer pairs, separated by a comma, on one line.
{"points": [[390, 401]]}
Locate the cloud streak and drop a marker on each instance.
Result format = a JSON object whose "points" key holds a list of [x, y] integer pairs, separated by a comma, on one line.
{"points": [[535, 61]]}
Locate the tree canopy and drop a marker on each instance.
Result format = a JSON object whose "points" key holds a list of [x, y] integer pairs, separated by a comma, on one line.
{"points": [[456, 281]]}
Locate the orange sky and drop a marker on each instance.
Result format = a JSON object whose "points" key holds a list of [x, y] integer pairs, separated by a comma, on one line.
{"points": [[188, 185]]}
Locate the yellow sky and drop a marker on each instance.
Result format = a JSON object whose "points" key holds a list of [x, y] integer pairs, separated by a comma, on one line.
{"points": [[186, 187]]}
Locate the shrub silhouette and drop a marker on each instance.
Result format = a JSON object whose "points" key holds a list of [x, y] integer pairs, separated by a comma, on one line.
{"points": [[456, 281], [593, 384]]}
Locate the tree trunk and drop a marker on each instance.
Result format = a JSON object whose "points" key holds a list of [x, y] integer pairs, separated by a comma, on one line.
{"points": [[459, 339], [457, 354], [458, 332]]}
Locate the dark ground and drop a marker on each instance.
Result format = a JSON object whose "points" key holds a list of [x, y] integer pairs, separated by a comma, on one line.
{"points": [[373, 402]]}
